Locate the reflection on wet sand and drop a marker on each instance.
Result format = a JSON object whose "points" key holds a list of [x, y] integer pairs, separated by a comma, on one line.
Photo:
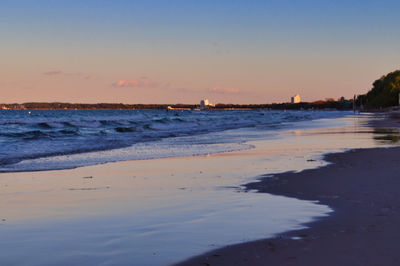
{"points": [[387, 135]]}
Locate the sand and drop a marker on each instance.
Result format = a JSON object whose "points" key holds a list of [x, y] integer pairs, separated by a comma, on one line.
{"points": [[362, 186]]}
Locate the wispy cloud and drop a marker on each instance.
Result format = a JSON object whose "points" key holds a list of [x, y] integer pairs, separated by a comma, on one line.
{"points": [[53, 73], [142, 82], [67, 74], [77, 74], [223, 90]]}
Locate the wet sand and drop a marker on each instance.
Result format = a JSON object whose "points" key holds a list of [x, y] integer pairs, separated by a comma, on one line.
{"points": [[361, 186], [149, 212]]}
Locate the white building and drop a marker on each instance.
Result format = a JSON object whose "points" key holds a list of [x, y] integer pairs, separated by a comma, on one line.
{"points": [[295, 99], [204, 104]]}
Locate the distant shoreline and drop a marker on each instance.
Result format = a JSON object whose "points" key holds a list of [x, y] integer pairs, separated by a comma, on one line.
{"points": [[319, 105]]}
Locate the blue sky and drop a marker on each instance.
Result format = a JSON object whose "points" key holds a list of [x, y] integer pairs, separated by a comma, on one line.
{"points": [[228, 51]]}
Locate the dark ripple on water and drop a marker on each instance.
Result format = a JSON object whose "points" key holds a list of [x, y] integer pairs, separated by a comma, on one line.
{"points": [[46, 133]]}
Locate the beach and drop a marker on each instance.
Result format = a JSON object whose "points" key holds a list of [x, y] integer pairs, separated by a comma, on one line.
{"points": [[158, 133], [162, 211], [360, 185]]}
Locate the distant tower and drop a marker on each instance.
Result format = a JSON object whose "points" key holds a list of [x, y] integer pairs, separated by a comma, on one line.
{"points": [[295, 99]]}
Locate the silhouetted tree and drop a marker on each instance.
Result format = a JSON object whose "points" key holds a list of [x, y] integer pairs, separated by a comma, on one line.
{"points": [[384, 93]]}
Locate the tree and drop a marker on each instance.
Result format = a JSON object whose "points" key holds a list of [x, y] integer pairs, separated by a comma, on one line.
{"points": [[384, 93]]}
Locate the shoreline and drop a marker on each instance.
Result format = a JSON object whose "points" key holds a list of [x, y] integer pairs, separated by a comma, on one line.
{"points": [[362, 230], [344, 105], [144, 202], [116, 190]]}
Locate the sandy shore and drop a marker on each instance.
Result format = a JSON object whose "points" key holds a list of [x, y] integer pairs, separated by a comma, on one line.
{"points": [[362, 186], [161, 211], [152, 212]]}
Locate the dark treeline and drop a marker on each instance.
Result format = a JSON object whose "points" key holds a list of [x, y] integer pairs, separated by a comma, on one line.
{"points": [[340, 104], [384, 93], [87, 106]]}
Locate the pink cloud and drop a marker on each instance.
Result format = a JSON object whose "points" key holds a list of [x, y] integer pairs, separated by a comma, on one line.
{"points": [[223, 90], [134, 83], [53, 73]]}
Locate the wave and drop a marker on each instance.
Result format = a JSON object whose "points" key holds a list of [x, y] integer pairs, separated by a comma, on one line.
{"points": [[124, 129], [45, 134], [33, 134], [44, 125]]}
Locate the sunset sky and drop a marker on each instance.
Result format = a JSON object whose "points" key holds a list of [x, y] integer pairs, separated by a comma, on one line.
{"points": [[181, 51]]}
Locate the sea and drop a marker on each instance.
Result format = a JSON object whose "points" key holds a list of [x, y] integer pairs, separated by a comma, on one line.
{"points": [[35, 140]]}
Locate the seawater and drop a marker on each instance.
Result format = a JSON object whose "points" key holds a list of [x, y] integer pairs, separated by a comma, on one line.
{"points": [[61, 139]]}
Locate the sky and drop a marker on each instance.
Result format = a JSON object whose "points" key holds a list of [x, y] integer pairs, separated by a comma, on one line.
{"points": [[174, 51]]}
